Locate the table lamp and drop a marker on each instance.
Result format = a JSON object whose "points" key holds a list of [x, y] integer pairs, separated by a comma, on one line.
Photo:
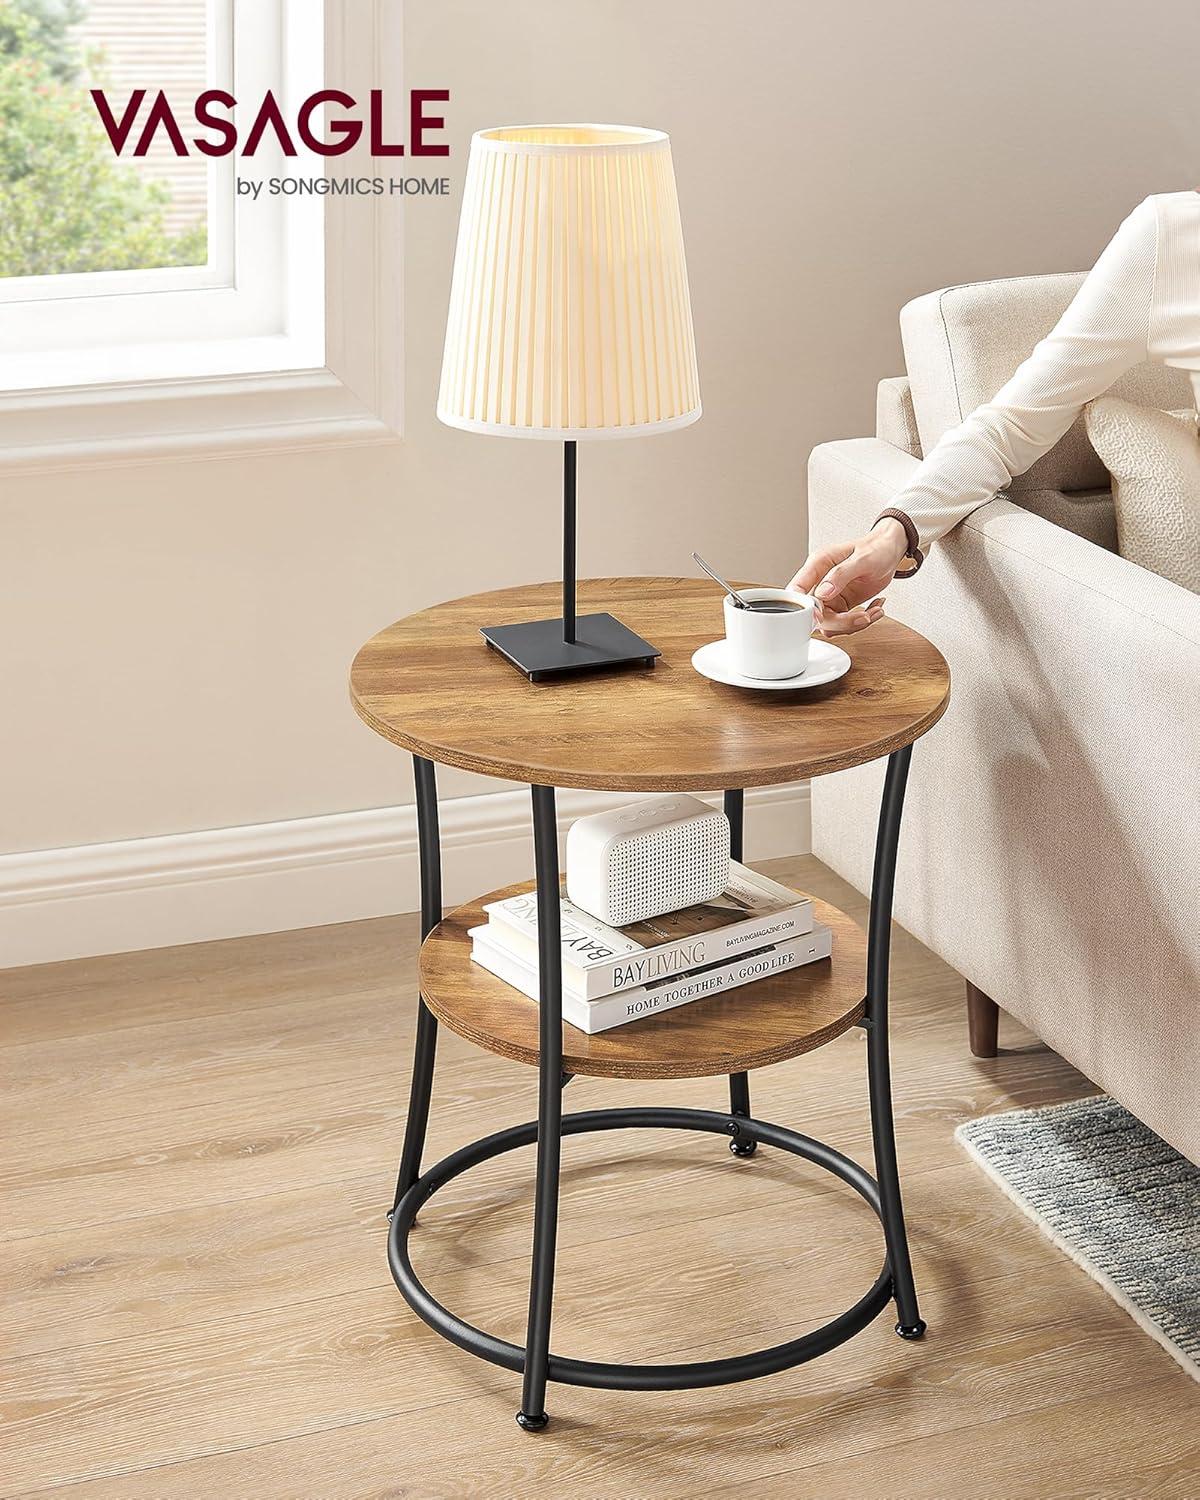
{"points": [[569, 319]]}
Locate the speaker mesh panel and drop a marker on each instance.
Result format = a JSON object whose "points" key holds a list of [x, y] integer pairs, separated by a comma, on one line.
{"points": [[668, 868]]}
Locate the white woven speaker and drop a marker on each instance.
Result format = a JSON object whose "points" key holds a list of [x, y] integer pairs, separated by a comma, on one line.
{"points": [[658, 855]]}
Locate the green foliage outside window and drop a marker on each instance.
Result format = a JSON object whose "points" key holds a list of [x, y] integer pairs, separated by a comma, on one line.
{"points": [[67, 203]]}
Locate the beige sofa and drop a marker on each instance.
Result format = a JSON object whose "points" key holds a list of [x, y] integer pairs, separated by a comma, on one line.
{"points": [[1051, 842]]}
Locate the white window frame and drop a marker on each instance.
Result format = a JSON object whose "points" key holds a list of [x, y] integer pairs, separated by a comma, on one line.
{"points": [[221, 171], [325, 378]]}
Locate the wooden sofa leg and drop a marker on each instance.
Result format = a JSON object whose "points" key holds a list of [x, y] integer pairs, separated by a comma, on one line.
{"points": [[983, 1020]]}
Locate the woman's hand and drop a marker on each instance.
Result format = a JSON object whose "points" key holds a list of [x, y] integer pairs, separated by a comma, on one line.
{"points": [[846, 579]]}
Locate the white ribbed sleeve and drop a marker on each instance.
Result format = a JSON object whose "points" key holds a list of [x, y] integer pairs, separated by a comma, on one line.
{"points": [[1109, 327]]}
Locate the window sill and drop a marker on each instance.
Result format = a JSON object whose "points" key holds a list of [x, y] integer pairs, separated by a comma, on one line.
{"points": [[73, 427], [131, 365]]}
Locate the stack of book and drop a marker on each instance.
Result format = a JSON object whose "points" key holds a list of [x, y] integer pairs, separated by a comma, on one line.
{"points": [[611, 975]]}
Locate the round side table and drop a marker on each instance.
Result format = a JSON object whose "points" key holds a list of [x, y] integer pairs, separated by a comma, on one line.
{"points": [[431, 685]]}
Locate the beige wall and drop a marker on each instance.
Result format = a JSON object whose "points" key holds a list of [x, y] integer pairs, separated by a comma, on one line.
{"points": [[176, 636]]}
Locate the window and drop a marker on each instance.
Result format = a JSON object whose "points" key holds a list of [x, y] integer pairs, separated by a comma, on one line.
{"points": [[213, 321], [116, 268]]}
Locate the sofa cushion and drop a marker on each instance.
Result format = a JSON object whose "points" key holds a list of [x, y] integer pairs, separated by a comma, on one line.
{"points": [[1154, 460], [962, 344], [1088, 513]]}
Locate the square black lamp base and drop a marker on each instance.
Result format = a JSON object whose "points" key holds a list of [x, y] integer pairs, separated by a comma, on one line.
{"points": [[537, 647]]}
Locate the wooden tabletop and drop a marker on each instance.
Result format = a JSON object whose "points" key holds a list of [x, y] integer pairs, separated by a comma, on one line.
{"points": [[761, 1023], [431, 684]]}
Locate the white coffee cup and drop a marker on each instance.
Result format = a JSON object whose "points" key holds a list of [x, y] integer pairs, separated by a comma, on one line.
{"points": [[769, 644]]}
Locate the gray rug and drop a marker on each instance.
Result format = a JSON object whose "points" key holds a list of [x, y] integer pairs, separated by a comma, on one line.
{"points": [[1118, 1200]]}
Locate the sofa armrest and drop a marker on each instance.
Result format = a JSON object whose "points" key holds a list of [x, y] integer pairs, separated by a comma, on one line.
{"points": [[895, 416], [1047, 852], [849, 483], [859, 477]]}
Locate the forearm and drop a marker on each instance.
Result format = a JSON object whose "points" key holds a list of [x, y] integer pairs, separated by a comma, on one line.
{"points": [[1104, 332], [970, 465]]}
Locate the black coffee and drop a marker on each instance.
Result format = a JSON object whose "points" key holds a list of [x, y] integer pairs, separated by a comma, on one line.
{"points": [[775, 606]]}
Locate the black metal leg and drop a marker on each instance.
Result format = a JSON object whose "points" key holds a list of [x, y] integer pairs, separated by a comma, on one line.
{"points": [[429, 843], [739, 1083], [532, 1415], [735, 808], [883, 1128], [739, 1106]]}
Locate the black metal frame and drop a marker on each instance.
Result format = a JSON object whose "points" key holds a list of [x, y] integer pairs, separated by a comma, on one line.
{"points": [[882, 1193]]}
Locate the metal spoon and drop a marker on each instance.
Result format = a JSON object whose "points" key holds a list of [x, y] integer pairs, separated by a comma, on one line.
{"points": [[716, 577]]}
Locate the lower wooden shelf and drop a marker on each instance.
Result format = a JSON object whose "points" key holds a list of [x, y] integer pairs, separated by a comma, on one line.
{"points": [[761, 1023]]}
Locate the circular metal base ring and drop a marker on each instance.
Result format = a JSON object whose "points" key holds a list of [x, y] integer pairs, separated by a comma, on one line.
{"points": [[628, 1377]]}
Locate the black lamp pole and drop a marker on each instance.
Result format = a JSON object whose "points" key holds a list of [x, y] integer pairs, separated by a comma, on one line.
{"points": [[546, 649], [568, 568]]}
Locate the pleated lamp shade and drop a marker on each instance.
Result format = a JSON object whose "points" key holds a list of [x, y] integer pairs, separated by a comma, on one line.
{"points": [[569, 309]]}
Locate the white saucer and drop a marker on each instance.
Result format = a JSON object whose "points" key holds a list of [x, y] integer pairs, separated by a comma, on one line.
{"points": [[826, 663]]}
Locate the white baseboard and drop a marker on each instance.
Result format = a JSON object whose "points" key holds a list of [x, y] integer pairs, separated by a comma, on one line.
{"points": [[307, 872]]}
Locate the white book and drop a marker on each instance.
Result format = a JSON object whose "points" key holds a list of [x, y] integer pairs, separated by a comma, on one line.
{"points": [[752, 912], [664, 994]]}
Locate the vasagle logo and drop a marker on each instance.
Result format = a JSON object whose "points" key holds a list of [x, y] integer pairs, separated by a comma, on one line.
{"points": [[345, 132]]}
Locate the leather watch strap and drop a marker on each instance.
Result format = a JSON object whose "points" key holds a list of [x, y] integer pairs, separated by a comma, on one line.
{"points": [[911, 535]]}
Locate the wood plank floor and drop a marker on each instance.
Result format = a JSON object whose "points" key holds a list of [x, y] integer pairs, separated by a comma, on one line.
{"points": [[198, 1149]]}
